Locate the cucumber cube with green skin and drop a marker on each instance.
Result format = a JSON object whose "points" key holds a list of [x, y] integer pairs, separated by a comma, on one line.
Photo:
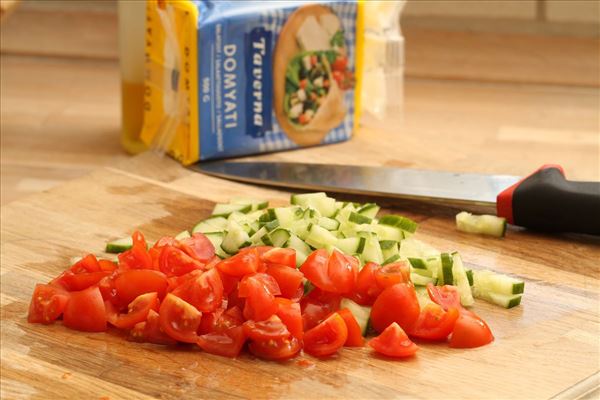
{"points": [[406, 224], [369, 210], [417, 263], [392, 259], [446, 276], [359, 219], [223, 210]]}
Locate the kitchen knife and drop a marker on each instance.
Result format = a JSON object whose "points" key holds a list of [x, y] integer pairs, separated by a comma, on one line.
{"points": [[544, 200]]}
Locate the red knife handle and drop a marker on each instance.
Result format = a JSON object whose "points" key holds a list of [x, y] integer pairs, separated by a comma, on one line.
{"points": [[546, 201]]}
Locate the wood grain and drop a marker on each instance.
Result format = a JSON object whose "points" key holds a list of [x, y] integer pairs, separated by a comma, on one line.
{"points": [[543, 347]]}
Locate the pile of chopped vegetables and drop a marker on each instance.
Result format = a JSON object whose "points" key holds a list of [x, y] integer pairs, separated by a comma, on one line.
{"points": [[315, 276]]}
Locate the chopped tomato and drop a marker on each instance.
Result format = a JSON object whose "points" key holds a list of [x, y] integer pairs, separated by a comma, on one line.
{"points": [[270, 328], [393, 273], [339, 77], [355, 338], [280, 256], [85, 311], [313, 59], [166, 241], [79, 281], [227, 344], [276, 349], [335, 273], [209, 321], [367, 289], [230, 318], [446, 296], [317, 306], [150, 331], [107, 265], [290, 315], [88, 263], [398, 304], [470, 331], [205, 292], [174, 262], [434, 323], [327, 337], [137, 311], [129, 284], [174, 282], [230, 283], [47, 304], [241, 264], [179, 319], [393, 342], [288, 279], [303, 83], [137, 257], [199, 247], [259, 290], [340, 64]]}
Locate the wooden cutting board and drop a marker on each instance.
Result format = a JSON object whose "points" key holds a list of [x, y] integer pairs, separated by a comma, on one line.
{"points": [[548, 346]]}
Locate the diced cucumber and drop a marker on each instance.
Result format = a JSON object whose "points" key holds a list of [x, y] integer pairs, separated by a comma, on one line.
{"points": [[415, 248], [353, 245], [271, 225], [302, 249], [390, 252], [420, 280], [387, 232], [329, 223], [216, 238], [212, 224], [506, 301], [278, 237], [360, 313], [223, 210], [287, 216], [319, 237], [183, 235], [235, 239], [369, 210], [488, 281], [319, 201], [470, 276], [406, 224], [119, 245], [483, 224], [391, 259], [417, 263], [255, 204], [386, 244], [461, 281], [359, 218], [267, 216], [445, 275], [258, 235], [372, 251]]}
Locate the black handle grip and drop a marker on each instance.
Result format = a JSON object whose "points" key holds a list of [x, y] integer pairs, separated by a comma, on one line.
{"points": [[546, 201]]}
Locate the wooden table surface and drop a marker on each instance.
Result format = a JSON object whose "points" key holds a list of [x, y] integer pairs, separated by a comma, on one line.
{"points": [[60, 121]]}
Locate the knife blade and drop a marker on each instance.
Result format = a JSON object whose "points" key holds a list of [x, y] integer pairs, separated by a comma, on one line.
{"points": [[544, 200]]}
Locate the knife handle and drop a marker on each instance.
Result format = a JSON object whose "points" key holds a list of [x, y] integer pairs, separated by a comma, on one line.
{"points": [[546, 201]]}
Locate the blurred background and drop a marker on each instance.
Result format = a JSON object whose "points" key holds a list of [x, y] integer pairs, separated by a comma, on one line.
{"points": [[538, 59]]}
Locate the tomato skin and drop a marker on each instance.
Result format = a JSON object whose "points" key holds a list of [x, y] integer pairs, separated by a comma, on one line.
{"points": [[89, 263], [85, 311], [317, 306], [434, 323], [150, 331], [199, 247], [107, 265], [174, 262], [174, 282], [280, 256], [289, 313], [47, 304], [269, 329], [390, 274], [137, 257], [327, 337], [129, 284], [355, 338], [179, 319], [367, 289], [227, 344], [137, 311], [241, 264], [205, 292], [277, 350], [398, 303], [209, 321], [288, 279], [230, 283], [335, 273], [259, 290], [393, 342], [340, 64], [79, 281], [470, 331], [446, 296]]}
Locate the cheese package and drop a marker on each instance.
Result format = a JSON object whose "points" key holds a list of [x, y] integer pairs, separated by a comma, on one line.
{"points": [[230, 78]]}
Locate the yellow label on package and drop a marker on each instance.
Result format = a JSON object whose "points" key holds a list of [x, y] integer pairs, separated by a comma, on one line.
{"points": [[230, 78]]}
